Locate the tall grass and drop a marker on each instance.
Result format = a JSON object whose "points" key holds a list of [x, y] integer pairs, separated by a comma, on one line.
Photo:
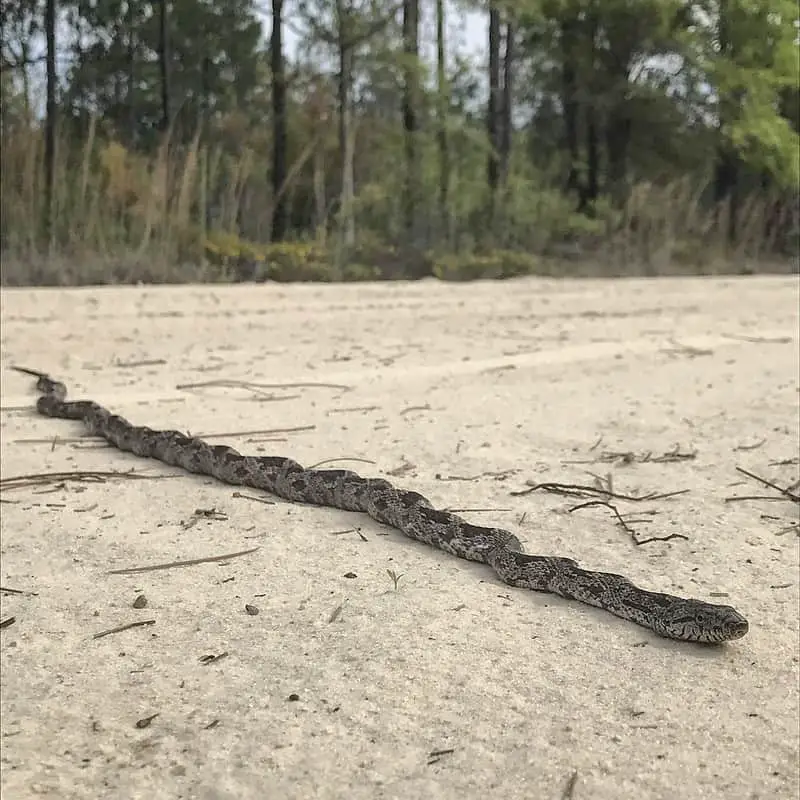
{"points": [[118, 215], [121, 216]]}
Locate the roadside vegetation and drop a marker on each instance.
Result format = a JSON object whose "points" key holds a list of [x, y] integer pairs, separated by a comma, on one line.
{"points": [[171, 142]]}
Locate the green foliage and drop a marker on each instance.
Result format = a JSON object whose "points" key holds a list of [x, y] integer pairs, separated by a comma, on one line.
{"points": [[750, 56], [662, 93], [493, 265], [213, 58], [281, 262]]}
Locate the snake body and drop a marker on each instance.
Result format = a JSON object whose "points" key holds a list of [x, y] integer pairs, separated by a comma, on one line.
{"points": [[410, 512]]}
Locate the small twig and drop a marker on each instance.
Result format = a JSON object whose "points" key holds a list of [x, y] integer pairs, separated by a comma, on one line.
{"points": [[234, 384], [435, 755], [477, 510], [201, 514], [501, 475], [153, 362], [793, 528], [137, 624], [673, 455], [769, 498], [687, 349], [750, 446], [411, 409], [350, 530], [174, 564], [626, 457], [759, 339], [405, 467], [666, 538], [620, 518], [582, 490], [569, 789], [212, 659], [353, 409], [627, 526], [342, 458], [264, 500], [7, 622], [28, 371], [54, 440], [785, 492]]}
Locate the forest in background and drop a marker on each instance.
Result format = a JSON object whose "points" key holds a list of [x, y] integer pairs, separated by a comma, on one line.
{"points": [[176, 141]]}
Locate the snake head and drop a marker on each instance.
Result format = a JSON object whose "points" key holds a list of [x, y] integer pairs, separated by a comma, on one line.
{"points": [[698, 621]]}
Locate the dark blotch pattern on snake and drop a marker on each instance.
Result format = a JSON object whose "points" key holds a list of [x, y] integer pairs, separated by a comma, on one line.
{"points": [[410, 512]]}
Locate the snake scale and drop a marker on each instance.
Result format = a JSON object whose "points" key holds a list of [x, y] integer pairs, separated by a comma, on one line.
{"points": [[668, 616]]}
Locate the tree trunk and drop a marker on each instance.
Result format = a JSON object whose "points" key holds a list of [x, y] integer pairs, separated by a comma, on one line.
{"points": [[410, 95], [320, 203], [443, 103], [50, 124], [726, 179], [592, 188], [130, 88], [163, 63], [618, 138], [279, 145], [346, 143], [569, 101], [348, 180], [507, 129], [726, 168], [493, 110]]}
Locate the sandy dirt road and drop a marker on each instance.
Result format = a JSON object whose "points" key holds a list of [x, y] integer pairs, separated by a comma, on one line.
{"points": [[449, 684]]}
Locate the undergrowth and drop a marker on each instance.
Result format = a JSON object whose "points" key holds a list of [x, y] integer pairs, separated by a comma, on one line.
{"points": [[190, 213]]}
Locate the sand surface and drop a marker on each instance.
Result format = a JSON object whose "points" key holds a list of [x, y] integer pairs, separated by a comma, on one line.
{"points": [[449, 684]]}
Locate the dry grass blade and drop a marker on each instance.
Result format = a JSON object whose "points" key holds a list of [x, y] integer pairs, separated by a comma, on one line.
{"points": [[176, 564], [138, 624], [341, 458], [50, 478], [263, 432]]}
